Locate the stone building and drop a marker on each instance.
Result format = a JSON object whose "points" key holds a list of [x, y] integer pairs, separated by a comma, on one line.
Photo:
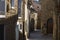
{"points": [[37, 6], [8, 19], [34, 8], [49, 17], [56, 18], [27, 15], [47, 14], [50, 11]]}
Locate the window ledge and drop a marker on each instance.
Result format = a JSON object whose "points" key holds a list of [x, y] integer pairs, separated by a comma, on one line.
{"points": [[2, 16]]}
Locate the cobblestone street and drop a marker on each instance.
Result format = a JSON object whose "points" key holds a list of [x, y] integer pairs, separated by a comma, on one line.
{"points": [[37, 35]]}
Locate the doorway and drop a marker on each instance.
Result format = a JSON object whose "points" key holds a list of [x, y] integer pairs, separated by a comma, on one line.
{"points": [[31, 28], [1, 31], [50, 25]]}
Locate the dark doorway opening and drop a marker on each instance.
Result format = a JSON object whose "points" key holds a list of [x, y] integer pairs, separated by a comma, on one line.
{"points": [[50, 25], [38, 23], [1, 31], [31, 28]]}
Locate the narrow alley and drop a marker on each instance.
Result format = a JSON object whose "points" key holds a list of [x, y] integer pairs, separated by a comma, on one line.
{"points": [[37, 35], [29, 19]]}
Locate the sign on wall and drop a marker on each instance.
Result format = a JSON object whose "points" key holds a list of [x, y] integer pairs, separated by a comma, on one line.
{"points": [[2, 8]]}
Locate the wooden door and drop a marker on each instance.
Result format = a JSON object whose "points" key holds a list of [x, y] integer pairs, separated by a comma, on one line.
{"points": [[50, 25]]}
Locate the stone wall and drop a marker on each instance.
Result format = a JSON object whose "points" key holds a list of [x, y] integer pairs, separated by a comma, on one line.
{"points": [[47, 7], [39, 20], [56, 30], [10, 21], [50, 8], [9, 27], [34, 15]]}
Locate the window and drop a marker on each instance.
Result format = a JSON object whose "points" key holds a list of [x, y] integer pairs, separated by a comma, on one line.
{"points": [[19, 8], [12, 4], [2, 8], [37, 1]]}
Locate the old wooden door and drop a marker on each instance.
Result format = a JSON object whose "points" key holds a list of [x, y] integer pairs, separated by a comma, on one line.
{"points": [[50, 25]]}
